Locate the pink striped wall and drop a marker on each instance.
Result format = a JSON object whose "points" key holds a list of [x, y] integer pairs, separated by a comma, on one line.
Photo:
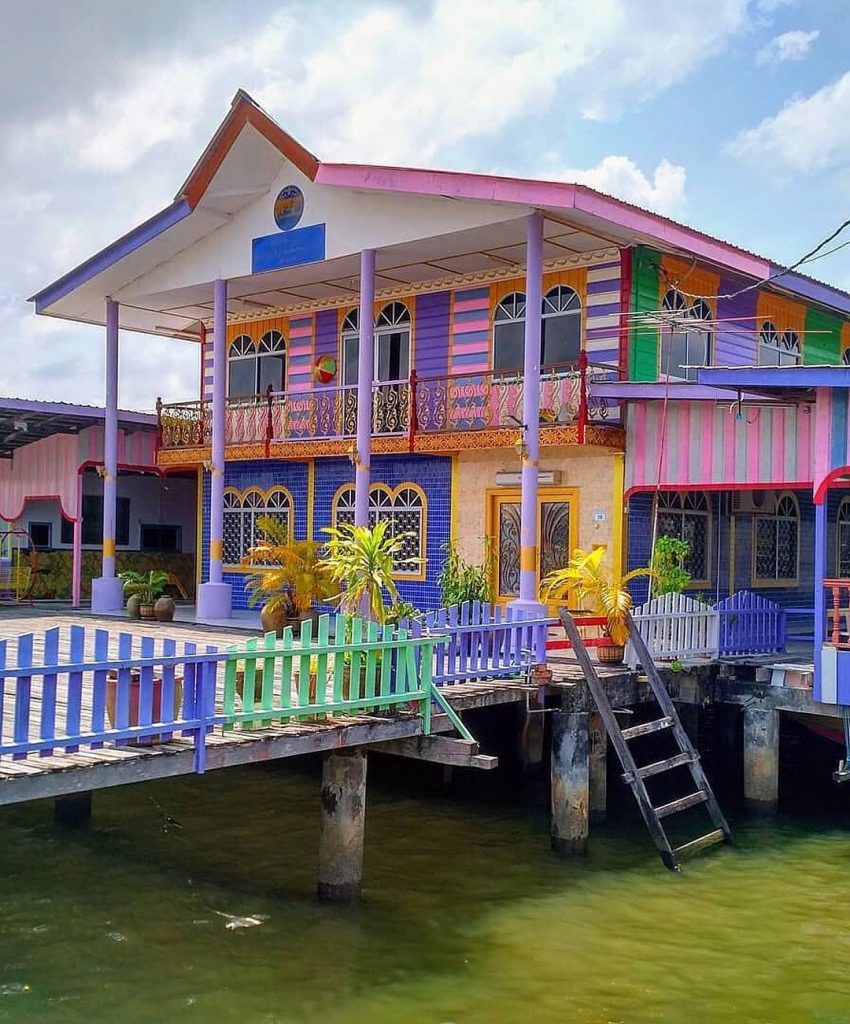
{"points": [[702, 444]]}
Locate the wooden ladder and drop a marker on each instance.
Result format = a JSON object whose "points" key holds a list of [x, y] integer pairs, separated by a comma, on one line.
{"points": [[635, 776]]}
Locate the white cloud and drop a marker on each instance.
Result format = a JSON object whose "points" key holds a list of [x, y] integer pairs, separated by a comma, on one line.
{"points": [[621, 177], [788, 46], [809, 133]]}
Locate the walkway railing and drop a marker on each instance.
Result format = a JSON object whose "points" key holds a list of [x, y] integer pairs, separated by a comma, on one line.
{"points": [[837, 600], [489, 400]]}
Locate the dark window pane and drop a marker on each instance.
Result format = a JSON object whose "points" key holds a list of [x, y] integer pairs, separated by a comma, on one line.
{"points": [[272, 371], [844, 549], [508, 346], [159, 538], [786, 549], [350, 350], [393, 356], [765, 548], [41, 535], [242, 378], [561, 339]]}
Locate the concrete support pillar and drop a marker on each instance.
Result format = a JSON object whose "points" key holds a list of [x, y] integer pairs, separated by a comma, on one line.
{"points": [[72, 809], [343, 825], [107, 590], [215, 598], [528, 600], [598, 777], [365, 373], [689, 717], [761, 758], [570, 782]]}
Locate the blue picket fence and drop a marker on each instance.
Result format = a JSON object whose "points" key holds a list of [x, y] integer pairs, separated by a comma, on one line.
{"points": [[749, 624], [484, 641]]}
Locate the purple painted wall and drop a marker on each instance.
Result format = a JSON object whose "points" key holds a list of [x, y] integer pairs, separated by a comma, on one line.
{"points": [[735, 339], [431, 357], [326, 342]]}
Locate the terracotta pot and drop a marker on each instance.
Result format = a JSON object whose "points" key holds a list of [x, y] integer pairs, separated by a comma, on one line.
{"points": [[164, 608], [156, 702], [133, 603], [610, 654], [273, 620], [147, 612]]}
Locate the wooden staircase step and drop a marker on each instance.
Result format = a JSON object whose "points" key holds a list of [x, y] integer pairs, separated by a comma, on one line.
{"points": [[666, 765], [646, 728], [682, 804], [709, 839]]}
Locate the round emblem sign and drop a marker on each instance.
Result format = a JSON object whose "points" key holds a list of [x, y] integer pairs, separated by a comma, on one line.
{"points": [[324, 370], [288, 207]]}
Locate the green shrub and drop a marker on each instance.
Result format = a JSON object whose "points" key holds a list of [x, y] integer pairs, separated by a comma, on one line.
{"points": [[668, 563], [461, 581]]}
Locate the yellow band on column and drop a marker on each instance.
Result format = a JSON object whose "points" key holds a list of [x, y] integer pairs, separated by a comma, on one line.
{"points": [[529, 463], [528, 558], [215, 550], [108, 547], [362, 467]]}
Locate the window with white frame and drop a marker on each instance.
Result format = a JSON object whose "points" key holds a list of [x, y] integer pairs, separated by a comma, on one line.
{"points": [[560, 338], [509, 332], [403, 509], [778, 348], [392, 343], [242, 512], [685, 341], [253, 366], [776, 542], [842, 539], [350, 346], [687, 516]]}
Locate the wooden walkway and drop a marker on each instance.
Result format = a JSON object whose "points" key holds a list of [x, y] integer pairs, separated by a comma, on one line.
{"points": [[120, 764]]}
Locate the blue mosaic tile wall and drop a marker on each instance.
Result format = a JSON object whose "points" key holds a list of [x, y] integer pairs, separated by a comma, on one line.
{"points": [[431, 472], [264, 473]]}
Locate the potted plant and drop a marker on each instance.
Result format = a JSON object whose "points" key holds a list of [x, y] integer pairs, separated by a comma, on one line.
{"points": [[287, 576], [148, 587], [601, 591]]}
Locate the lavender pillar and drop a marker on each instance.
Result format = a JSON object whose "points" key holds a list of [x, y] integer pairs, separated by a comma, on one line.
{"points": [[215, 598], [365, 372], [107, 593], [531, 416], [820, 596]]}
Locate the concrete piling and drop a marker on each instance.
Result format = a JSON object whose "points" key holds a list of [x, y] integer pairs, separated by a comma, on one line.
{"points": [[343, 825], [570, 769], [761, 758], [598, 769]]}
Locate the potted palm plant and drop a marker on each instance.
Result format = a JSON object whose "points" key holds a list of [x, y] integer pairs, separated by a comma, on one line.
{"points": [[148, 588], [599, 590], [287, 576]]}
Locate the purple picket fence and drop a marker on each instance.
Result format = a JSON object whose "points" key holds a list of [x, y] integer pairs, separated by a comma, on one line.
{"points": [[485, 641], [749, 624]]}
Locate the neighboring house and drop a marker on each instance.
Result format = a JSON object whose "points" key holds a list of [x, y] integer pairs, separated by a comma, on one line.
{"points": [[450, 411], [51, 496]]}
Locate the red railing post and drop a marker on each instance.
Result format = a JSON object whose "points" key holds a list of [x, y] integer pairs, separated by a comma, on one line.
{"points": [[269, 431], [582, 395], [411, 415]]}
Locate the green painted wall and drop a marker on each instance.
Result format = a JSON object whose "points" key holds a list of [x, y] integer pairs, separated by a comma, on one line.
{"points": [[643, 346], [821, 348]]}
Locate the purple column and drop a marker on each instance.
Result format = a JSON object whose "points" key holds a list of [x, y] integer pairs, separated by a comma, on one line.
{"points": [[365, 373], [215, 598], [107, 591], [531, 415]]}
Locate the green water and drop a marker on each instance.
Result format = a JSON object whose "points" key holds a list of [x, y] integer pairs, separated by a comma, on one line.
{"points": [[466, 916]]}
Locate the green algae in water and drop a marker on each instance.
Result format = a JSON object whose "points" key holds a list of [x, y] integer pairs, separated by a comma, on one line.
{"points": [[466, 918]]}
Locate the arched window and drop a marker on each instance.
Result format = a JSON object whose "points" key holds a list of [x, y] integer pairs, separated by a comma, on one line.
{"points": [[687, 516], [350, 346], [392, 343], [776, 542], [560, 340], [253, 366], [686, 339], [778, 348], [403, 509], [842, 539], [509, 332], [243, 510], [242, 367]]}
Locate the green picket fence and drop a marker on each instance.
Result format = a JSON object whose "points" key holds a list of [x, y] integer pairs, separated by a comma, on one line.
{"points": [[365, 667]]}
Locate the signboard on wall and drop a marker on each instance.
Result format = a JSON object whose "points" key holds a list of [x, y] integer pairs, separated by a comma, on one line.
{"points": [[290, 246]]}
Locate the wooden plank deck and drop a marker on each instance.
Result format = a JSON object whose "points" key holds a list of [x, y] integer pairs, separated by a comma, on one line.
{"points": [[114, 765]]}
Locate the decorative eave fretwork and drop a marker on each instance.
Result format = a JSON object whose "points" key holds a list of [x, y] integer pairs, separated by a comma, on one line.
{"points": [[401, 291], [607, 438]]}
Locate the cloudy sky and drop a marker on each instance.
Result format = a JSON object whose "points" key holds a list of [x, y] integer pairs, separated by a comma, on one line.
{"points": [[730, 115]]}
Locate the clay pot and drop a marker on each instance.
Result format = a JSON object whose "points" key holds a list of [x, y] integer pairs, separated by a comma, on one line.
{"points": [[133, 604], [147, 612], [273, 620], [610, 654], [164, 608]]}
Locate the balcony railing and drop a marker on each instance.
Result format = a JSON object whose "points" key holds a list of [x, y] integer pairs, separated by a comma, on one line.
{"points": [[458, 402], [837, 601]]}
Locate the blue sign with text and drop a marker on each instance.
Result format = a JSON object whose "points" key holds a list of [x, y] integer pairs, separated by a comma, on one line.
{"points": [[288, 248]]}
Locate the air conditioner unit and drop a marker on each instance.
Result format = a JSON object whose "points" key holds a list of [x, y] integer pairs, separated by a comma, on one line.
{"points": [[752, 502]]}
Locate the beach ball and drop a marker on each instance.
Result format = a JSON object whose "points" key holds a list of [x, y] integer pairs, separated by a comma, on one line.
{"points": [[325, 369]]}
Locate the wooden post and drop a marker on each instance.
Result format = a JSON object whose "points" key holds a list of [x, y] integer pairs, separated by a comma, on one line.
{"points": [[761, 758], [570, 782], [598, 777], [72, 809], [343, 824]]}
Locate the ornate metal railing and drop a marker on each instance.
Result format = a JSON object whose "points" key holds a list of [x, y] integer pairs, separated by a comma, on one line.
{"points": [[489, 400]]}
